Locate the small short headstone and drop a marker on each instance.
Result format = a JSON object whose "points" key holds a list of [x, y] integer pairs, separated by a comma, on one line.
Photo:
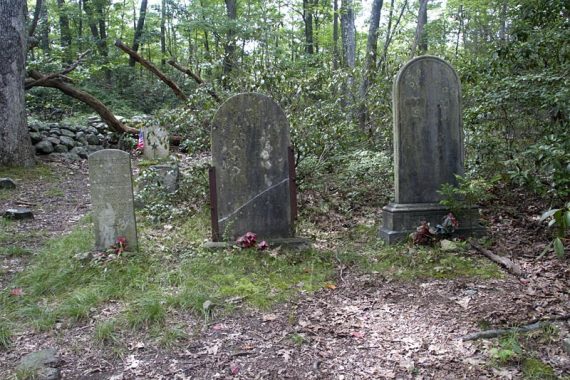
{"points": [[112, 198], [19, 213], [168, 176], [250, 153], [156, 143], [7, 183]]}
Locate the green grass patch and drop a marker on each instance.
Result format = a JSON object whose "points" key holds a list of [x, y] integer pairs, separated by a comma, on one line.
{"points": [[152, 283], [55, 192], [405, 263], [5, 334], [535, 369], [12, 251], [106, 332], [38, 171]]}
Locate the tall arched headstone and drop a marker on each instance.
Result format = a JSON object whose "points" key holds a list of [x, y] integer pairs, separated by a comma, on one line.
{"points": [[111, 188], [428, 146], [252, 185]]}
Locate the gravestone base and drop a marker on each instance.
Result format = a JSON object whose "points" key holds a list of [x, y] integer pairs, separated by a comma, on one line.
{"points": [[296, 243], [400, 220]]}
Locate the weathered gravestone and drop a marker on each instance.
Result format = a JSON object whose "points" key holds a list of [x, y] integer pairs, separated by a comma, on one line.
{"points": [[156, 144], [428, 147], [252, 180], [112, 198]]}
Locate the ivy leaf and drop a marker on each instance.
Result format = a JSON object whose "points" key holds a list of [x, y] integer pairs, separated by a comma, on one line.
{"points": [[558, 247]]}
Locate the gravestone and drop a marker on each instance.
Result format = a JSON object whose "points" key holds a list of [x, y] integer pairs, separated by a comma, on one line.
{"points": [[252, 185], [156, 144], [111, 189], [428, 147]]}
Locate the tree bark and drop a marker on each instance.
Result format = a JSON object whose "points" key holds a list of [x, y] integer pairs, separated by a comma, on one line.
{"points": [[230, 46], [308, 21], [153, 69], [348, 33], [163, 33], [106, 115], [15, 144], [139, 31], [43, 28], [370, 62], [335, 35], [420, 40], [65, 32], [34, 23], [196, 78]]}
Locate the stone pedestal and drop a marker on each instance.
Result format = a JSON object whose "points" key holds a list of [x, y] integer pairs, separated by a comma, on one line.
{"points": [[400, 220]]}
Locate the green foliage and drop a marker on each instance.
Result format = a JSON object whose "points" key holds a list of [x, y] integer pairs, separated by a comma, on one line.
{"points": [[508, 351], [559, 219], [468, 193], [5, 334], [535, 369]]}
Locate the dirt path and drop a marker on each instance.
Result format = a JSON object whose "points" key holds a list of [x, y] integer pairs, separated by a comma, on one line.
{"points": [[367, 328]]}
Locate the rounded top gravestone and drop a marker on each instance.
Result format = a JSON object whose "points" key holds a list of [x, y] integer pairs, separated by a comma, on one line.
{"points": [[250, 142], [428, 129]]}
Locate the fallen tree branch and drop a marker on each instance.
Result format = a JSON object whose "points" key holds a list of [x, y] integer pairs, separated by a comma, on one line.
{"points": [[153, 69], [198, 80], [532, 325], [509, 265], [106, 115], [59, 75]]}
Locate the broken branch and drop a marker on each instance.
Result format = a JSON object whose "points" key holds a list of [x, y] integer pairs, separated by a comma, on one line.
{"points": [[153, 69], [509, 265], [198, 80], [532, 325], [59, 75]]}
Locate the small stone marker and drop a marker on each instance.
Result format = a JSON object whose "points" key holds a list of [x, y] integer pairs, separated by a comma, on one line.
{"points": [[7, 183], [156, 143], [428, 147], [41, 365], [19, 213], [168, 176], [112, 198], [251, 185]]}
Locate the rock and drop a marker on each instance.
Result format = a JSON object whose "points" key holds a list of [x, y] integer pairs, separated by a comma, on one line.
{"points": [[55, 132], [449, 246], [44, 147], [54, 140], [80, 135], [93, 119], [67, 132], [71, 128], [41, 365], [566, 345], [7, 183], [18, 213], [92, 130], [92, 139], [80, 151], [36, 137], [83, 256], [93, 148], [60, 149], [67, 141]]}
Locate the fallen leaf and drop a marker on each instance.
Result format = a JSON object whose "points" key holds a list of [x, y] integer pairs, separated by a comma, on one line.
{"points": [[16, 292], [268, 317], [357, 334], [328, 285], [464, 302]]}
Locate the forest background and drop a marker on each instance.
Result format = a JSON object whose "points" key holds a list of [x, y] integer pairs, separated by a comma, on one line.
{"points": [[332, 78]]}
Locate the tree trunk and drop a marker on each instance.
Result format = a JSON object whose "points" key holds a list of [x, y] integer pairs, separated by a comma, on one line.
{"points": [[15, 144], [348, 33], [139, 31], [370, 62], [230, 47], [308, 21], [34, 23], [163, 33], [421, 40], [335, 35], [390, 31], [65, 32], [43, 28]]}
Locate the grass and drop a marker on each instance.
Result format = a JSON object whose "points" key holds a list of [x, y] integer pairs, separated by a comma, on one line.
{"points": [[39, 171], [171, 274]]}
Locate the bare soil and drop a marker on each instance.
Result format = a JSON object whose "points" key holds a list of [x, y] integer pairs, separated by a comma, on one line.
{"points": [[368, 327]]}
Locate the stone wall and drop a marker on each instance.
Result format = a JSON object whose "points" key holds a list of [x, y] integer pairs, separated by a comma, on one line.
{"points": [[75, 142]]}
